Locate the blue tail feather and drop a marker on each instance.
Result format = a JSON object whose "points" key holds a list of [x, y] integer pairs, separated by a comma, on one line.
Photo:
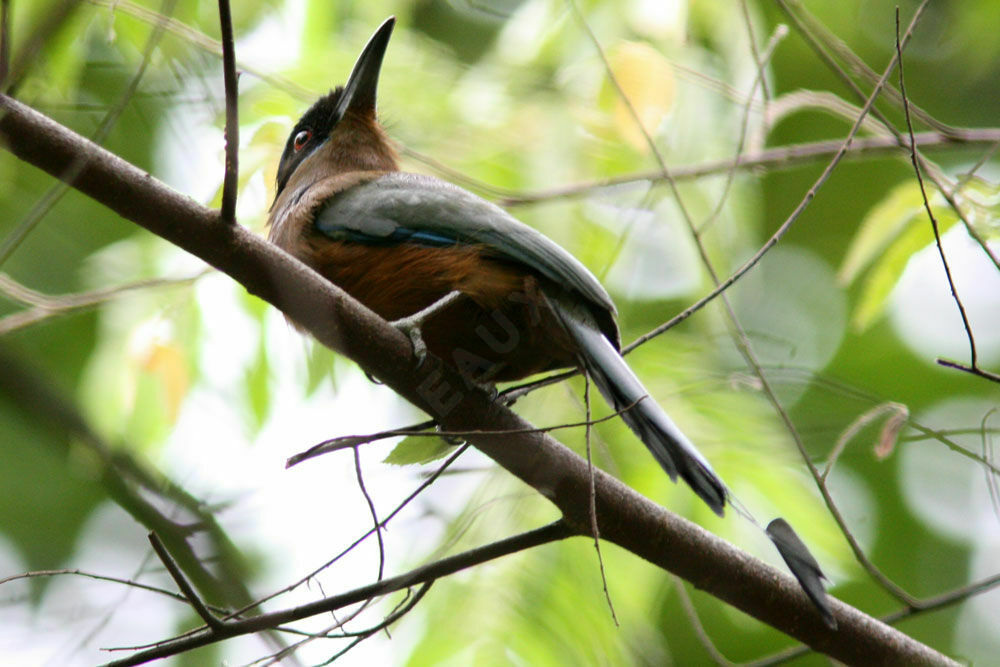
{"points": [[623, 391]]}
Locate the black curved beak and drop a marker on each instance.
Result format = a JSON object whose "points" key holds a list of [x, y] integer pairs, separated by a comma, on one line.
{"points": [[359, 92]]}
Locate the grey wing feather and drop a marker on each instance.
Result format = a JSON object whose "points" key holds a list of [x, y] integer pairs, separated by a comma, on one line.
{"points": [[423, 203]]}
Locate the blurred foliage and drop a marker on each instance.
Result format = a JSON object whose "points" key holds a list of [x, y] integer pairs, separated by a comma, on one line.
{"points": [[507, 98]]}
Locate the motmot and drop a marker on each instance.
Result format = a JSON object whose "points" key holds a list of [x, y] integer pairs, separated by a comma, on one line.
{"points": [[490, 295], [512, 302]]}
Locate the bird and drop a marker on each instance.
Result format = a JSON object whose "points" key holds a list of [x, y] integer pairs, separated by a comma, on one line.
{"points": [[502, 300]]}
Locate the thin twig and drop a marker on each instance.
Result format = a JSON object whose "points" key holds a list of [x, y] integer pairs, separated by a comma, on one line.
{"points": [[786, 374], [406, 605], [631, 223], [779, 34], [343, 634], [870, 567], [944, 600], [953, 446], [134, 488], [777, 235], [182, 583], [100, 577], [859, 554], [966, 178], [991, 479], [374, 513], [345, 441], [759, 61], [986, 375], [56, 15], [595, 531], [927, 205], [389, 620], [231, 179]]}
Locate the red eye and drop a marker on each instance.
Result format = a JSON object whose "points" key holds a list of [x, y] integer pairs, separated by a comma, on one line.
{"points": [[301, 139]]}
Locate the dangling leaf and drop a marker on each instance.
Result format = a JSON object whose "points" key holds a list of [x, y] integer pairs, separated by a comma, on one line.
{"points": [[417, 449]]}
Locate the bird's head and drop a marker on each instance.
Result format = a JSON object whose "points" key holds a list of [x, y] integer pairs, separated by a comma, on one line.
{"points": [[339, 132]]}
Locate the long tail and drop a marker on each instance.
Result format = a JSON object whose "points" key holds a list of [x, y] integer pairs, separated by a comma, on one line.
{"points": [[623, 391]]}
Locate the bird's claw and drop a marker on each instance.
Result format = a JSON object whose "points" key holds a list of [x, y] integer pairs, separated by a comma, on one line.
{"points": [[411, 324], [412, 330]]}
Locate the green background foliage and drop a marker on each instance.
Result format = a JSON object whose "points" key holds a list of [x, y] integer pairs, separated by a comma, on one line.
{"points": [[103, 405]]}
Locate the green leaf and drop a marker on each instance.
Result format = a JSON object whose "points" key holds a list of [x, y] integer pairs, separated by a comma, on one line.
{"points": [[884, 222], [255, 307], [319, 366], [417, 449], [258, 385]]}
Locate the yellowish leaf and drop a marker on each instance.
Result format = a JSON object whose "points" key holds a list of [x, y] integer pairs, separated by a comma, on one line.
{"points": [[647, 79], [166, 362]]}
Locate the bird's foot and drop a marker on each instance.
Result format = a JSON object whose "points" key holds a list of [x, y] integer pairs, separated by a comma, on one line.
{"points": [[411, 324]]}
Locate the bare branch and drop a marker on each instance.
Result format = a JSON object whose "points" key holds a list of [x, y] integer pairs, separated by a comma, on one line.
{"points": [[931, 604], [182, 583], [406, 501], [421, 575]]}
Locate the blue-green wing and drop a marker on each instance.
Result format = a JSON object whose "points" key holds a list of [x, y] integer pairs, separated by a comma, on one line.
{"points": [[411, 208]]}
